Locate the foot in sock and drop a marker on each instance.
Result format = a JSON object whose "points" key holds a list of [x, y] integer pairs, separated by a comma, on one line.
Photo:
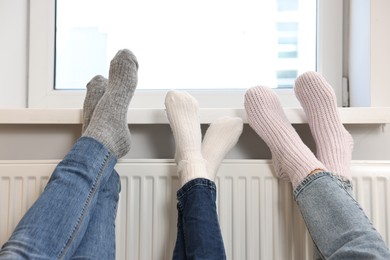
{"points": [[183, 115], [291, 158], [108, 124], [221, 136], [194, 159], [95, 90], [334, 143]]}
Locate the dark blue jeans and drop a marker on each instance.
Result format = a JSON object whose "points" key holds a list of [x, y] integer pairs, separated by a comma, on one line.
{"points": [[198, 231]]}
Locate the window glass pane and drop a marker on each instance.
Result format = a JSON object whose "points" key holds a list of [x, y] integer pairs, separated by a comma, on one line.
{"points": [[183, 44]]}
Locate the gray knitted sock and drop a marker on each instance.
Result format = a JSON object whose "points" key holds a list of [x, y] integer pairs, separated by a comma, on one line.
{"points": [[108, 124], [95, 90]]}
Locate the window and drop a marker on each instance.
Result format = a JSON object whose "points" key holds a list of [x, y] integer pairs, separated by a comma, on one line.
{"points": [[187, 44], [215, 49]]}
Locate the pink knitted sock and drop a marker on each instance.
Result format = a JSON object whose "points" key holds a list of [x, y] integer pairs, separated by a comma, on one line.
{"points": [[292, 159], [334, 143]]}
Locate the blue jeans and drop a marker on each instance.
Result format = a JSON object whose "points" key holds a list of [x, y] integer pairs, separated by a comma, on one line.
{"points": [[198, 231], [337, 224], [75, 215]]}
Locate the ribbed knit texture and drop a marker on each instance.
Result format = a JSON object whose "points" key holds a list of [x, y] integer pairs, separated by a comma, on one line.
{"points": [[183, 115], [333, 142], [194, 158], [95, 90], [291, 158], [108, 124], [221, 136]]}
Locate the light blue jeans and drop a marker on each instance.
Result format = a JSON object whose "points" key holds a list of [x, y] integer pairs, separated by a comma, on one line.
{"points": [[337, 224], [74, 218]]}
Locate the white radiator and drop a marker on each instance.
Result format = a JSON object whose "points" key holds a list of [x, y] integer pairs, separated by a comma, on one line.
{"points": [[258, 217]]}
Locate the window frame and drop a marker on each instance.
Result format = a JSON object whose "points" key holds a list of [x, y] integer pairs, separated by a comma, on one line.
{"points": [[41, 66]]}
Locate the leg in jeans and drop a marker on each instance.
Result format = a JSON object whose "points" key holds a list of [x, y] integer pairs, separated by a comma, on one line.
{"points": [[198, 212], [99, 239], [199, 235], [325, 202], [339, 227], [334, 143], [55, 225], [100, 233]]}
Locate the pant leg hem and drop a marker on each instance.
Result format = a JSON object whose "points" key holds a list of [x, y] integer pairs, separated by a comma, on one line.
{"points": [[308, 180], [195, 182]]}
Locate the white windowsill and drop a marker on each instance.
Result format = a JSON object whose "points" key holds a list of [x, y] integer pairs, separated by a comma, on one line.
{"points": [[363, 115]]}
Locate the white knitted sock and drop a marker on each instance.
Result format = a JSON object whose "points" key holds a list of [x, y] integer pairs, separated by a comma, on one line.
{"points": [[183, 115], [334, 143], [220, 138], [292, 159]]}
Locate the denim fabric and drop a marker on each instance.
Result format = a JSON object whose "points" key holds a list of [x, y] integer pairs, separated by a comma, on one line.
{"points": [[337, 224], [348, 187], [99, 239], [54, 226], [199, 234]]}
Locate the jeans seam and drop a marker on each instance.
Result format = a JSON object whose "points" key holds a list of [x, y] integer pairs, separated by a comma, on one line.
{"points": [[91, 193], [309, 179]]}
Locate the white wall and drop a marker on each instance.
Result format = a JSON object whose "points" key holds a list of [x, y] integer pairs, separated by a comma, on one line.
{"points": [[21, 141], [369, 54], [13, 53], [380, 52]]}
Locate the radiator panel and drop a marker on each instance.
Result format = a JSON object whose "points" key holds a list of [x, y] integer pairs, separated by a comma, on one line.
{"points": [[258, 217]]}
